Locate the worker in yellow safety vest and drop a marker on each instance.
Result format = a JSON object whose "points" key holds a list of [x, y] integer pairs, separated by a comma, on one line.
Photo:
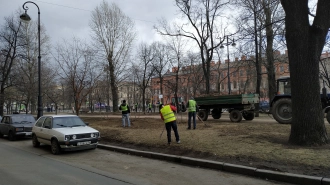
{"points": [[192, 108], [168, 116]]}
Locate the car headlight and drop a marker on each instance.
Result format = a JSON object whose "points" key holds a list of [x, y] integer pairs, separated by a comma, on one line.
{"points": [[95, 135], [66, 137], [19, 129], [69, 137]]}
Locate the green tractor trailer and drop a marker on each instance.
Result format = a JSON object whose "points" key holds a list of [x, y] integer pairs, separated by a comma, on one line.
{"points": [[239, 106]]}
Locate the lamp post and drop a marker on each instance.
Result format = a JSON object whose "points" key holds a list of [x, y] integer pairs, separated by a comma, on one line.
{"points": [[232, 43], [26, 17]]}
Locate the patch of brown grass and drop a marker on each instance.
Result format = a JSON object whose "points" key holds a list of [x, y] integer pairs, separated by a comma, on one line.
{"points": [[260, 143]]}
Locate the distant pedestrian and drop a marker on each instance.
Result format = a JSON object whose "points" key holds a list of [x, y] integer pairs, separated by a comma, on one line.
{"points": [[149, 107], [125, 113], [136, 107], [192, 107], [168, 116]]}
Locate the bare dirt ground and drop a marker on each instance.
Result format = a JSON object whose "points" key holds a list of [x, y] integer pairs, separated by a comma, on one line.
{"points": [[260, 143]]}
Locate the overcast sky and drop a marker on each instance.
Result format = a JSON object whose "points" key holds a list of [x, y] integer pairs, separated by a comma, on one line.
{"points": [[68, 18]]}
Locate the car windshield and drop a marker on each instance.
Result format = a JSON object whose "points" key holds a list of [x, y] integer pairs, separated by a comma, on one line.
{"points": [[67, 122], [23, 119]]}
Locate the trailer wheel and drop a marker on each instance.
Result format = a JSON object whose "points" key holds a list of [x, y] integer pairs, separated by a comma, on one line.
{"points": [[203, 114], [248, 115], [235, 116], [216, 113], [282, 111]]}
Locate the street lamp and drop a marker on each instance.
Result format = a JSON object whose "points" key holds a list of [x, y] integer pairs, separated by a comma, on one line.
{"points": [[26, 17], [232, 43]]}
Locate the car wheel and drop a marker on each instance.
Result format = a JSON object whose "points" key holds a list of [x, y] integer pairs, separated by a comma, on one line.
{"points": [[11, 136], [35, 141], [55, 147], [1, 135]]}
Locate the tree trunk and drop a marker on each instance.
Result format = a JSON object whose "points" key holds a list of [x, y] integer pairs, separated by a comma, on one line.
{"points": [[305, 44], [114, 90], [270, 55]]}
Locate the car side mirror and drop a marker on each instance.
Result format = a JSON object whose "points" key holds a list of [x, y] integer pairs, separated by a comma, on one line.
{"points": [[86, 123], [47, 127]]}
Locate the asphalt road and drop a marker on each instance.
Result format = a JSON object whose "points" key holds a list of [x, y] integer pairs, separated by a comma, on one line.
{"points": [[20, 163]]}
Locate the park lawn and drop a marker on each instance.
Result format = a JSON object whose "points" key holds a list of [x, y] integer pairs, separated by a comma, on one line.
{"points": [[260, 143]]}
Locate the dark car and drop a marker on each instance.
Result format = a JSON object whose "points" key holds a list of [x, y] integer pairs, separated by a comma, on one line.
{"points": [[264, 106], [16, 125]]}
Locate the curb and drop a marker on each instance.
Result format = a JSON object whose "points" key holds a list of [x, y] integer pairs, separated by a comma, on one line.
{"points": [[233, 168]]}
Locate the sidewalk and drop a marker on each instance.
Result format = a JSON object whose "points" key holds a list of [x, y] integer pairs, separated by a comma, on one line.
{"points": [[239, 169]]}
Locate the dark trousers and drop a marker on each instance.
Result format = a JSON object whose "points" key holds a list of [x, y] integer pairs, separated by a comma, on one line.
{"points": [[168, 127], [192, 115]]}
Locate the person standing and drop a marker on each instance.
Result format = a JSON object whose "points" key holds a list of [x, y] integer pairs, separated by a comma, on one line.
{"points": [[168, 116], [125, 113], [192, 107], [149, 107], [136, 107]]}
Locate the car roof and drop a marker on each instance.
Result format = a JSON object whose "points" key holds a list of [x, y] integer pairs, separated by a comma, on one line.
{"points": [[18, 115], [60, 116]]}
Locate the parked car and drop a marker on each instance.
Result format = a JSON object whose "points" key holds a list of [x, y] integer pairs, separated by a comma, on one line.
{"points": [[64, 133], [264, 106], [16, 125]]}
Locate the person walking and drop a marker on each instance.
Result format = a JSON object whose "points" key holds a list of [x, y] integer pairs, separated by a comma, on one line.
{"points": [[125, 113], [192, 107], [168, 116]]}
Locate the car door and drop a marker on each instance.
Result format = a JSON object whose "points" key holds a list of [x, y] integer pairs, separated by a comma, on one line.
{"points": [[5, 125], [45, 131], [37, 128]]}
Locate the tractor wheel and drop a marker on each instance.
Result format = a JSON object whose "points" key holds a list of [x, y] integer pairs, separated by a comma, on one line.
{"points": [[248, 115], [328, 116], [235, 116], [216, 113], [203, 114], [282, 111]]}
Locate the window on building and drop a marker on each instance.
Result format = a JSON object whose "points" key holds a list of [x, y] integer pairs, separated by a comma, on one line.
{"points": [[222, 86], [234, 74], [281, 68], [241, 73], [235, 85]]}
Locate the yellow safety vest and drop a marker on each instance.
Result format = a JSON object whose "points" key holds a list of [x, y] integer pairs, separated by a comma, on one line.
{"points": [[124, 108], [167, 114], [192, 106]]}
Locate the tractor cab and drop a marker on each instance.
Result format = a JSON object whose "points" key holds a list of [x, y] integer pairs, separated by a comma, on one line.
{"points": [[284, 85]]}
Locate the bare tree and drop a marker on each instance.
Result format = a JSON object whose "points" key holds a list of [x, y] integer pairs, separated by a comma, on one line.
{"points": [[9, 49], [113, 33], [27, 66], [261, 20], [78, 68], [305, 40], [201, 28], [176, 47], [161, 60], [144, 70]]}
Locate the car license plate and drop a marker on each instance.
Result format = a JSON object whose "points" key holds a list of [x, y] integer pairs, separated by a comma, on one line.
{"points": [[84, 143], [28, 134]]}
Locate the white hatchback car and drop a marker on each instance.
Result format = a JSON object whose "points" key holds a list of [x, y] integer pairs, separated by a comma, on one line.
{"points": [[64, 133]]}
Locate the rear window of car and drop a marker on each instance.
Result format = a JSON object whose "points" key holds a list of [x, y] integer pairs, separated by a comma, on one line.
{"points": [[25, 118]]}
